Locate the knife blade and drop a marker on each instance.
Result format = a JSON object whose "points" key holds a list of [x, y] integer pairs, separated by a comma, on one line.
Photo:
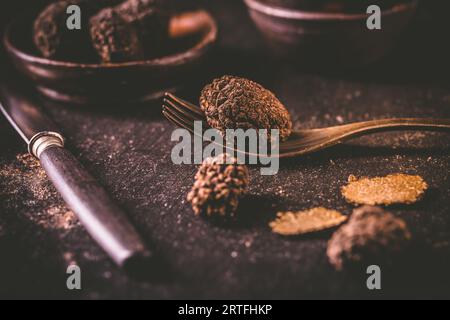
{"points": [[103, 219]]}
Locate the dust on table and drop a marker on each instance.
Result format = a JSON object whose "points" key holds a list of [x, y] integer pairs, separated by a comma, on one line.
{"points": [[23, 178]]}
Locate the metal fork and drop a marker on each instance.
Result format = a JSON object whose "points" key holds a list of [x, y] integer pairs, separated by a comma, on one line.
{"points": [[301, 142]]}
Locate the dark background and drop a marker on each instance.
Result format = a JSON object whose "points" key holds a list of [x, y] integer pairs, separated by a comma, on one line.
{"points": [[128, 150]]}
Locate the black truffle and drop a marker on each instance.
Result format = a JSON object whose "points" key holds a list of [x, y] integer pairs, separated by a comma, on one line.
{"points": [[372, 235], [114, 39], [50, 34], [52, 37], [150, 21], [219, 184], [232, 103]]}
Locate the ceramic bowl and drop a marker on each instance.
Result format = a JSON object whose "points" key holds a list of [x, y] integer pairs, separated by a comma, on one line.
{"points": [[193, 35], [330, 39]]}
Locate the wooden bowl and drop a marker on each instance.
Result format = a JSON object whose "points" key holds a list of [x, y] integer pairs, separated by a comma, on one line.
{"points": [[193, 35], [328, 39]]}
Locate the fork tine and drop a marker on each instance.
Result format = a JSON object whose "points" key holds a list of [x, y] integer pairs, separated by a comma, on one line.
{"points": [[180, 121], [186, 120], [181, 111], [183, 103], [176, 121], [181, 117]]}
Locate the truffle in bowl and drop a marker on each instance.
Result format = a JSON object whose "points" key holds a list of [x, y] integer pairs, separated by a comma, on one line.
{"points": [[329, 33], [191, 36]]}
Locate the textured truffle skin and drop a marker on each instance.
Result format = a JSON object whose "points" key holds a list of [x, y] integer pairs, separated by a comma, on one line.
{"points": [[114, 39], [372, 235], [219, 184], [231, 103], [151, 22]]}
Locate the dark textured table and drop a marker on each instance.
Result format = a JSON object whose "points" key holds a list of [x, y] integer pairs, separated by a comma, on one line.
{"points": [[128, 150]]}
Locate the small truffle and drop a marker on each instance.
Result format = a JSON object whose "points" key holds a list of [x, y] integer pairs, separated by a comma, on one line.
{"points": [[237, 103], [150, 21], [302, 222], [114, 39], [372, 235], [392, 189], [52, 37], [219, 184]]}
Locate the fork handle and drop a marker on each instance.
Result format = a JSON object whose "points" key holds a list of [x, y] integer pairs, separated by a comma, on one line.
{"points": [[357, 129]]}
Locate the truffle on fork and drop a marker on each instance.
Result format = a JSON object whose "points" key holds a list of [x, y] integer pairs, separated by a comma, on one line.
{"points": [[305, 141]]}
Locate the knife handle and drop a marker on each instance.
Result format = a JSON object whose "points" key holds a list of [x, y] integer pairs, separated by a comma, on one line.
{"points": [[104, 220]]}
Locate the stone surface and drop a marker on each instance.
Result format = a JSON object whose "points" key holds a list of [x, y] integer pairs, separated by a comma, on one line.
{"points": [[128, 150]]}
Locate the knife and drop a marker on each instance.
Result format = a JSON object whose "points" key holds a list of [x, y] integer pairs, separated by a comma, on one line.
{"points": [[104, 220]]}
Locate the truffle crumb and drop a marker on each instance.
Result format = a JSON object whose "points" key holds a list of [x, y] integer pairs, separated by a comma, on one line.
{"points": [[114, 39], [236, 103], [392, 189], [219, 184], [60, 218], [372, 235], [302, 222]]}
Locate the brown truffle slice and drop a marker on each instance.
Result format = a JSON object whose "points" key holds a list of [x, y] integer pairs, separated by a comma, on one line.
{"points": [[219, 184], [302, 222], [114, 39], [237, 103], [392, 189], [150, 21], [372, 235]]}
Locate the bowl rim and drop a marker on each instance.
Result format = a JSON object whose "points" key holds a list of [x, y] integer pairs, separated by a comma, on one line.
{"points": [[191, 53], [296, 14]]}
